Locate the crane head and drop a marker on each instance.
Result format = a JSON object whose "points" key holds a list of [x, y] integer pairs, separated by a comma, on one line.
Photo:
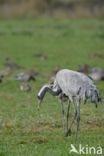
{"points": [[41, 94]]}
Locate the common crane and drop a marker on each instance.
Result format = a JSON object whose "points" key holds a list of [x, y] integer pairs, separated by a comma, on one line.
{"points": [[72, 85]]}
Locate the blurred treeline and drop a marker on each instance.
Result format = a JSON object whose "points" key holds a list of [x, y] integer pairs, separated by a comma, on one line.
{"points": [[71, 8]]}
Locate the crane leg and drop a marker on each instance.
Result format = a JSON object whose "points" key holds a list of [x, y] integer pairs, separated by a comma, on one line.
{"points": [[63, 114], [68, 130], [75, 115], [78, 119]]}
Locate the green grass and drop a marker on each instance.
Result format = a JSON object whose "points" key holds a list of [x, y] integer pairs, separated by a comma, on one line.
{"points": [[67, 44]]}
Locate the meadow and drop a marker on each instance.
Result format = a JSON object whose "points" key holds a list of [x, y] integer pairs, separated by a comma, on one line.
{"points": [[66, 43]]}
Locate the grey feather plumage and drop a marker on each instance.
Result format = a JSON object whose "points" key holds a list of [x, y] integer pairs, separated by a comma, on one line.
{"points": [[75, 84]]}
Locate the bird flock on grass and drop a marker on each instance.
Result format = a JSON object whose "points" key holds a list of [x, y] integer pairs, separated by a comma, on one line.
{"points": [[24, 75]]}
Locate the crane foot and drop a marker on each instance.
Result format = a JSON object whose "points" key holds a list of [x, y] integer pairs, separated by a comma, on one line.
{"points": [[68, 133]]}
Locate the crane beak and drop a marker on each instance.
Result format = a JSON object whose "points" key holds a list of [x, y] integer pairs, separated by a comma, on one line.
{"points": [[39, 102], [96, 105]]}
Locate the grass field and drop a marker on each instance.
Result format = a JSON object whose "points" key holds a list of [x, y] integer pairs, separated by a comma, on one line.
{"points": [[66, 43]]}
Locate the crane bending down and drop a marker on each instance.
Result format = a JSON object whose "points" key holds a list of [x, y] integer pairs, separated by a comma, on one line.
{"points": [[71, 85]]}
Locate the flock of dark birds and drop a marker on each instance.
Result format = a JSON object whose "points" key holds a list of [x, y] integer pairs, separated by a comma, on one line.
{"points": [[24, 77], [27, 75], [96, 73]]}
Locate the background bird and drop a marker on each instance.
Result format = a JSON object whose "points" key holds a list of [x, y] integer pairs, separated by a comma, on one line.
{"points": [[26, 87]]}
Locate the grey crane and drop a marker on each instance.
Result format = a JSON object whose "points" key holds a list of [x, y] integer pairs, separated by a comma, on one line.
{"points": [[76, 88]]}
